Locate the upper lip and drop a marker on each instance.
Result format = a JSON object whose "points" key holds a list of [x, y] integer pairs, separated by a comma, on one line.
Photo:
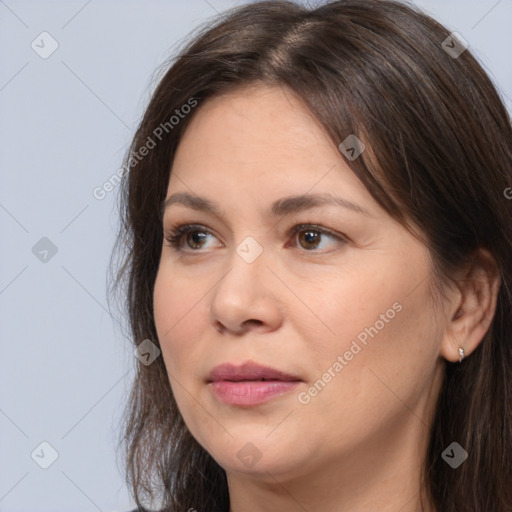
{"points": [[248, 371]]}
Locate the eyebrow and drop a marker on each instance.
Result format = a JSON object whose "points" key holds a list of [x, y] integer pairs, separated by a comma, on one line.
{"points": [[281, 207]]}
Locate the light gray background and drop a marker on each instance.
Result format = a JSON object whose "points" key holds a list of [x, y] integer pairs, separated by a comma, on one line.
{"points": [[65, 124]]}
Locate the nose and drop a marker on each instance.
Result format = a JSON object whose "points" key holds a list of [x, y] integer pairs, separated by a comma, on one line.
{"points": [[244, 299]]}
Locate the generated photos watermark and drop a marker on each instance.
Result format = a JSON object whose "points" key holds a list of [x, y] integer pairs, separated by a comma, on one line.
{"points": [[454, 455], [352, 147], [304, 397], [455, 45], [146, 352], [100, 192]]}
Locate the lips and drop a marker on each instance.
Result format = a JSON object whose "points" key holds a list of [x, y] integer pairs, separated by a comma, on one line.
{"points": [[249, 384], [249, 372]]}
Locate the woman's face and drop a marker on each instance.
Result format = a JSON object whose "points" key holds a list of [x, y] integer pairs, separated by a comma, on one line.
{"points": [[341, 304]]}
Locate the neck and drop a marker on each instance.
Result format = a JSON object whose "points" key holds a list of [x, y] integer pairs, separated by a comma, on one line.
{"points": [[385, 475]]}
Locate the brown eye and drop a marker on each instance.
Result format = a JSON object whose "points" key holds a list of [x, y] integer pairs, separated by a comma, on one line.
{"points": [[191, 237], [195, 239], [311, 237]]}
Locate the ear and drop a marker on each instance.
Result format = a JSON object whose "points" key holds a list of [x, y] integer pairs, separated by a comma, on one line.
{"points": [[472, 306]]}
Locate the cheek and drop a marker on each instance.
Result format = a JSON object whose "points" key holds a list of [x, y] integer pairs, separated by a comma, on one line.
{"points": [[354, 307], [382, 356], [178, 317], [381, 321]]}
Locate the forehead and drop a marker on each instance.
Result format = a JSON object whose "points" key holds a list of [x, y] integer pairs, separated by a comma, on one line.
{"points": [[255, 123], [262, 142]]}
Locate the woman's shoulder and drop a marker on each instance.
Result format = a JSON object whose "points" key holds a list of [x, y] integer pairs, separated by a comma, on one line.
{"points": [[145, 510], [140, 510]]}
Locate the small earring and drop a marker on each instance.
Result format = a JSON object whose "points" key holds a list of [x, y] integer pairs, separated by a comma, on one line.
{"points": [[461, 354]]}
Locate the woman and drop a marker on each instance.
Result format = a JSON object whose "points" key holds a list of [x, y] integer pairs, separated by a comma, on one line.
{"points": [[318, 267]]}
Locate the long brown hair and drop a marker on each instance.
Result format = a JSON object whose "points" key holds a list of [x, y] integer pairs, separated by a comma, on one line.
{"points": [[441, 158]]}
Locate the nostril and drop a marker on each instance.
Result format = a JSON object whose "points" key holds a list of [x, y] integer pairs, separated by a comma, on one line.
{"points": [[255, 322]]}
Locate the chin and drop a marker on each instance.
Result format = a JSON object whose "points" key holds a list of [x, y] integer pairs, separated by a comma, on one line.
{"points": [[252, 453]]}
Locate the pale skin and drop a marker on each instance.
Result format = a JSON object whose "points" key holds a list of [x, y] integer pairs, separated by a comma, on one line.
{"points": [[359, 444]]}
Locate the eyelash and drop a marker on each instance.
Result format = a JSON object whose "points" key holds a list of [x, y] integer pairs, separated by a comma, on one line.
{"points": [[175, 235]]}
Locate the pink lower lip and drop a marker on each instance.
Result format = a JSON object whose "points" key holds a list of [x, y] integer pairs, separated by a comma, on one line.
{"points": [[249, 392]]}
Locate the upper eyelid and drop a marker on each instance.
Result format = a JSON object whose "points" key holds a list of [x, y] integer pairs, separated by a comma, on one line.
{"points": [[314, 227], [293, 230], [295, 227]]}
